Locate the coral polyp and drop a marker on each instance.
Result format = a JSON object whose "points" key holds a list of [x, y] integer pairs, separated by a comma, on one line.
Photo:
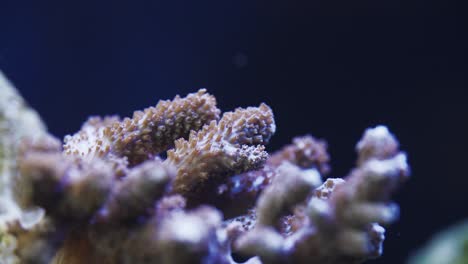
{"points": [[182, 183]]}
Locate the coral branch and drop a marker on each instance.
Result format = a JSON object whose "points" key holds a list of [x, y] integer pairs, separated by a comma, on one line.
{"points": [[305, 152], [349, 220], [108, 197], [184, 237], [341, 221], [148, 132], [132, 196], [222, 149], [239, 193], [58, 183], [290, 186], [17, 121]]}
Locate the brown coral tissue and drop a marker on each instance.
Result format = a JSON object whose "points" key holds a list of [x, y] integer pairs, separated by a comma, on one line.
{"points": [[181, 182]]}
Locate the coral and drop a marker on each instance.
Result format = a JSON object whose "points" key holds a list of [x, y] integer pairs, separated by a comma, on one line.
{"points": [[57, 183], [232, 146], [343, 217], [130, 197], [305, 152], [240, 192], [17, 121], [147, 133], [177, 184]]}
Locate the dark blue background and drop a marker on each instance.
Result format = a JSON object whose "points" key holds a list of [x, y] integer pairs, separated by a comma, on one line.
{"points": [[326, 67]]}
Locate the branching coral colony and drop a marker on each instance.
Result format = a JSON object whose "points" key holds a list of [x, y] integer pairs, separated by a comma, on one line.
{"points": [[106, 195]]}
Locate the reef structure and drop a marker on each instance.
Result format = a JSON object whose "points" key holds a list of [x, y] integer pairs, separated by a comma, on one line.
{"points": [[182, 183]]}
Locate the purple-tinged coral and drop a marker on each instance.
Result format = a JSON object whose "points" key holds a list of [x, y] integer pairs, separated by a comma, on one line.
{"points": [[216, 199], [290, 186], [343, 218], [135, 194], [239, 193], [65, 187], [184, 237]]}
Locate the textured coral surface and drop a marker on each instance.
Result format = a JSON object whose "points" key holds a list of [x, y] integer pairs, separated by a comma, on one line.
{"points": [[181, 183]]}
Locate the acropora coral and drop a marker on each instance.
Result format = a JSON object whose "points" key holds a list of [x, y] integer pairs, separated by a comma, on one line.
{"points": [[182, 183]]}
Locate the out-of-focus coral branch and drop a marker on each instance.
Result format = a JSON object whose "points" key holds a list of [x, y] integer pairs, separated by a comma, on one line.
{"points": [[17, 121], [131, 197], [188, 236], [58, 183], [341, 221], [349, 220], [290, 186]]}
